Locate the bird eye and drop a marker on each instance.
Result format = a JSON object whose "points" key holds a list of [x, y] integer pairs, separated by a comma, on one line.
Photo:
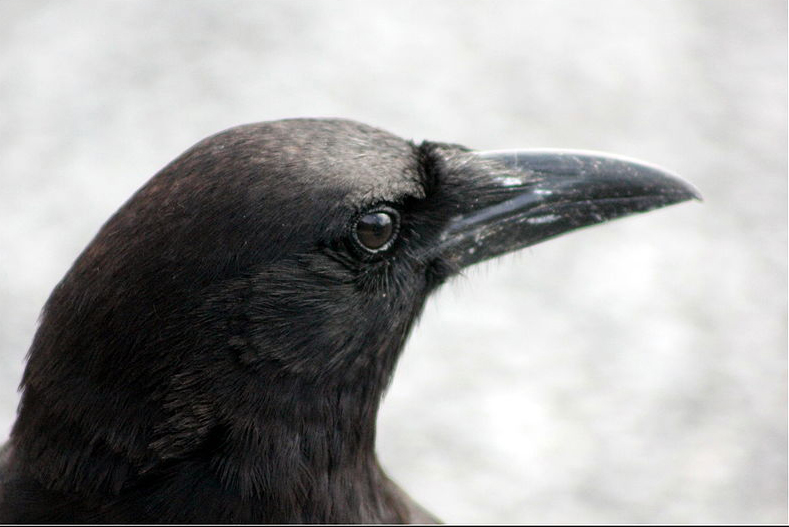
{"points": [[376, 230]]}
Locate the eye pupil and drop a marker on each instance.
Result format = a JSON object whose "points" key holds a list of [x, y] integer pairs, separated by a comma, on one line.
{"points": [[374, 230]]}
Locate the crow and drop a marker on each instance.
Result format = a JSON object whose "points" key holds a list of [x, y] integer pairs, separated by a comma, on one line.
{"points": [[219, 351]]}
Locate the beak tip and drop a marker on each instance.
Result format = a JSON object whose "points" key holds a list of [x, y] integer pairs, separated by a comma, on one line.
{"points": [[687, 190]]}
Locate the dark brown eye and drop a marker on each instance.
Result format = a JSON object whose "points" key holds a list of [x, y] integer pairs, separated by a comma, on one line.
{"points": [[376, 230]]}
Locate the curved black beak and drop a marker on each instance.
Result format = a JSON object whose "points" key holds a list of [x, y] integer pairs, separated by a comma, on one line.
{"points": [[526, 196]]}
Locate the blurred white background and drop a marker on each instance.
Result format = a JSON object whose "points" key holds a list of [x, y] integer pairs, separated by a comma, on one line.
{"points": [[634, 372]]}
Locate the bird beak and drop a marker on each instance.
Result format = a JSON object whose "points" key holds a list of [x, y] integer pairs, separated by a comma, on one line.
{"points": [[523, 197]]}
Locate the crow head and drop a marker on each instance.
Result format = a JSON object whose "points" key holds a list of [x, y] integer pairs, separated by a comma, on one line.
{"points": [[230, 330]]}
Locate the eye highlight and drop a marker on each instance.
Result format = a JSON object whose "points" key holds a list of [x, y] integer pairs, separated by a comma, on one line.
{"points": [[375, 230]]}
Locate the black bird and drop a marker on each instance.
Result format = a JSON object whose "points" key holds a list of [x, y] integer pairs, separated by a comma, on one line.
{"points": [[218, 352]]}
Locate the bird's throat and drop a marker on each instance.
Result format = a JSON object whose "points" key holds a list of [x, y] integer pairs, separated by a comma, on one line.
{"points": [[307, 468]]}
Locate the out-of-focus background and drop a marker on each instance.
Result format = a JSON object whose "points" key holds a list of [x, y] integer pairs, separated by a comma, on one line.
{"points": [[633, 372]]}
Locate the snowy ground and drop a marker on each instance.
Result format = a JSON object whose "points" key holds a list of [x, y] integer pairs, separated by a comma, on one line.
{"points": [[633, 372]]}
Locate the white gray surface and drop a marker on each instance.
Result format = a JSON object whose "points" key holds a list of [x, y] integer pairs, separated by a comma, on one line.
{"points": [[633, 372]]}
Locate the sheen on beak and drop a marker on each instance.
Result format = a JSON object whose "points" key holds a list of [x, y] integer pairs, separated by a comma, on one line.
{"points": [[523, 197]]}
